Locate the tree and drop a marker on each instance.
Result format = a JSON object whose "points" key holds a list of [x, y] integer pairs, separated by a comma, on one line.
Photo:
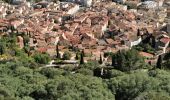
{"points": [[82, 58], [114, 63], [2, 48], [167, 64], [57, 51], [41, 58], [27, 50], [138, 32], [153, 42], [77, 56], [127, 60], [85, 71], [66, 55], [26, 40], [159, 62], [101, 60]]}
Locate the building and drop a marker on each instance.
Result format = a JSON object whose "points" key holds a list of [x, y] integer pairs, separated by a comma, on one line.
{"points": [[86, 3], [168, 28], [17, 2], [148, 5], [136, 42]]}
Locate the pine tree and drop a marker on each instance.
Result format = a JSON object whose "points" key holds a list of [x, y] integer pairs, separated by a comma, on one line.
{"points": [[77, 57], [113, 60], [82, 58], [153, 42], [57, 51], [159, 62], [2, 49], [138, 32], [100, 61]]}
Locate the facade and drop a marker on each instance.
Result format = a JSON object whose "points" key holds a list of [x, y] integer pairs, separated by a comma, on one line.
{"points": [[168, 28], [18, 1], [73, 10], [148, 5], [133, 43], [87, 3]]}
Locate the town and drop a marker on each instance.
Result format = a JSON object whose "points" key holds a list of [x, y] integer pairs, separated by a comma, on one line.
{"points": [[94, 27]]}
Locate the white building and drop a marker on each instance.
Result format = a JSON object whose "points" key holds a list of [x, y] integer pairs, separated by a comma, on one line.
{"points": [[120, 1], [73, 10], [148, 5], [87, 3], [133, 43]]}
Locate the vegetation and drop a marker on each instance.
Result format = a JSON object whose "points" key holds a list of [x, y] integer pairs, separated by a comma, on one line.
{"points": [[41, 58], [57, 52], [145, 48], [82, 58], [127, 60], [100, 60], [66, 55], [22, 78]]}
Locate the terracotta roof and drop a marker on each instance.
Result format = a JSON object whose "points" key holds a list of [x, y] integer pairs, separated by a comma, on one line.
{"points": [[42, 49], [109, 41], [165, 40], [145, 54]]}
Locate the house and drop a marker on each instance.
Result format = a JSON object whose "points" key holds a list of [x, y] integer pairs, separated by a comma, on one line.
{"points": [[73, 10], [20, 41], [17, 23], [17, 2], [168, 28], [148, 5], [119, 1], [146, 55], [160, 2], [86, 3], [42, 4], [163, 43]]}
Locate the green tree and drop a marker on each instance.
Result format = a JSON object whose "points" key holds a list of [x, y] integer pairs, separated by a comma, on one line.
{"points": [[66, 55], [2, 48], [77, 56], [41, 58], [57, 51], [127, 60], [82, 58], [85, 71], [159, 62], [100, 60], [26, 40]]}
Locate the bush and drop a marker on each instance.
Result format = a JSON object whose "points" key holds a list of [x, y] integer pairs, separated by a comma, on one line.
{"points": [[115, 73], [41, 58], [127, 60], [66, 55], [85, 71]]}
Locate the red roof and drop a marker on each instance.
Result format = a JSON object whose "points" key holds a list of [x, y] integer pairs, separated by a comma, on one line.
{"points": [[145, 54], [165, 40], [42, 49]]}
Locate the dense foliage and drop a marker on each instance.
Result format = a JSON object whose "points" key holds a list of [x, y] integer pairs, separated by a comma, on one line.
{"points": [[127, 60], [22, 77], [24, 83]]}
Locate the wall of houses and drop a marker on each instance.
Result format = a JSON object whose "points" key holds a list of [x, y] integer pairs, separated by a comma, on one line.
{"points": [[165, 47], [133, 43], [88, 3], [168, 28]]}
